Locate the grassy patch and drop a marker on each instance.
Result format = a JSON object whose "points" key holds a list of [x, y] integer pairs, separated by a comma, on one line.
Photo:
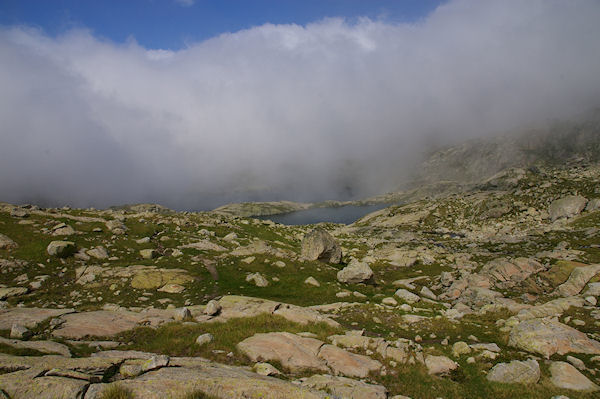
{"points": [[176, 339], [117, 392]]}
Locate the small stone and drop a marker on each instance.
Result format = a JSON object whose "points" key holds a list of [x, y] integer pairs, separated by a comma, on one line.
{"points": [[172, 288], [407, 296], [460, 348], [312, 281], [230, 237], [98, 253], [427, 293], [148, 253], [155, 362], [258, 279], [389, 301], [265, 369], [204, 339], [182, 314], [279, 264], [212, 308], [591, 300], [144, 240], [249, 260]]}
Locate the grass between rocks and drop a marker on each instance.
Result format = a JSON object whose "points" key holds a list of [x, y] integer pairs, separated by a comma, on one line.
{"points": [[117, 392], [179, 339], [467, 382]]}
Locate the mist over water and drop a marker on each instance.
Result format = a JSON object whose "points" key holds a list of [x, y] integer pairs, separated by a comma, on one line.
{"points": [[332, 110]]}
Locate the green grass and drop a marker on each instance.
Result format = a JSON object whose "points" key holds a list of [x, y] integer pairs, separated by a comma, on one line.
{"points": [[11, 350], [117, 392], [196, 395], [468, 382], [176, 339]]}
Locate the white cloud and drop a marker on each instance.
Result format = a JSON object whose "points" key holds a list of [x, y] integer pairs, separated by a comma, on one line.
{"points": [[303, 111]]}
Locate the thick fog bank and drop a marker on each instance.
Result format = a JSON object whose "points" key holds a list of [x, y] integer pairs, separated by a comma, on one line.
{"points": [[332, 110]]}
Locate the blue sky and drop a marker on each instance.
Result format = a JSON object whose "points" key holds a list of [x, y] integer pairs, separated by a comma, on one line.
{"points": [[171, 24]]}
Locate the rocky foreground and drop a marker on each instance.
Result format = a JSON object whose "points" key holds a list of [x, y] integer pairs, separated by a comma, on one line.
{"points": [[488, 293]]}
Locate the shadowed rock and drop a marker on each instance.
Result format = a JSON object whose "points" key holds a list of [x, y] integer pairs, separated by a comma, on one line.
{"points": [[320, 245]]}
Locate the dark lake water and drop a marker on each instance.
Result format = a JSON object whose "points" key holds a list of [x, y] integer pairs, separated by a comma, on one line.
{"points": [[343, 214]]}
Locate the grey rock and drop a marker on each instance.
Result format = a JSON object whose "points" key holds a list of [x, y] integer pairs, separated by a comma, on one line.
{"points": [[61, 249], [407, 296], [6, 242], [258, 279], [563, 375], [569, 206], [204, 339], [212, 308], [182, 314], [517, 371], [320, 245], [19, 331], [355, 272]]}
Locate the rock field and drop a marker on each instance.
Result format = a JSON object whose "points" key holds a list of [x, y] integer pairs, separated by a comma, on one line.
{"points": [[490, 292]]}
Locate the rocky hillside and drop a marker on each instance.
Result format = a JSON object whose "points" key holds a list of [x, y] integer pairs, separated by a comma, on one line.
{"points": [[491, 292]]}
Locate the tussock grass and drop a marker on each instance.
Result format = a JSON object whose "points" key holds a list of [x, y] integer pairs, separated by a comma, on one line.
{"points": [[117, 392]]}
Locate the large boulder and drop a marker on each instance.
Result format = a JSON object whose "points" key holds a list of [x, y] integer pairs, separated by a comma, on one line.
{"points": [[291, 351], [548, 336], [506, 273], [569, 206], [356, 272], [320, 245], [297, 353], [564, 375], [61, 249], [6, 242], [577, 280], [517, 371]]}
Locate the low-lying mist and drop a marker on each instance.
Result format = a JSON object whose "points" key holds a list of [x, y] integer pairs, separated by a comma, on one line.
{"points": [[331, 110]]}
